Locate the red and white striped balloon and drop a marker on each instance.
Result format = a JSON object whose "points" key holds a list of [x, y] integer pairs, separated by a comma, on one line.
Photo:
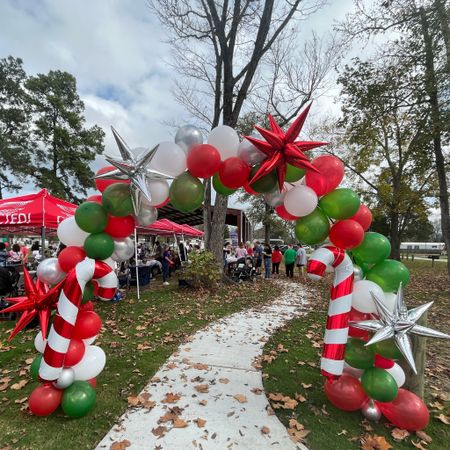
{"points": [[336, 333], [67, 311]]}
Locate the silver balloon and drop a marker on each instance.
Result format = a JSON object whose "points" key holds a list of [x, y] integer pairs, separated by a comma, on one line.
{"points": [[188, 136], [371, 411], [49, 271], [249, 153], [358, 273], [147, 215], [123, 249], [274, 198], [66, 378]]}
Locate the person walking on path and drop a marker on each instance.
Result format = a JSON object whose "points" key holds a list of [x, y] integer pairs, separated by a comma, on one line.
{"points": [[258, 251], [301, 260], [166, 263], [267, 253], [276, 259], [289, 261]]}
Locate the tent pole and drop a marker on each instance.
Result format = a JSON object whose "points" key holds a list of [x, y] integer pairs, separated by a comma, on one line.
{"points": [[137, 265], [42, 241]]}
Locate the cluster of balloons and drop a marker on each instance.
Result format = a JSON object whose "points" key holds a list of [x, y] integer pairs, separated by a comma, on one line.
{"points": [[74, 390]]}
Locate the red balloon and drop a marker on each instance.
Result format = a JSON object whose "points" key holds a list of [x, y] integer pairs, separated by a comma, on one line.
{"points": [[282, 212], [356, 332], [383, 363], [44, 400], [407, 411], [363, 216], [102, 183], [88, 306], [249, 190], [164, 203], [6, 244], [88, 325], [233, 172], [203, 161], [331, 172], [120, 227], [346, 234], [93, 382], [70, 257], [346, 393], [96, 198], [75, 352]]}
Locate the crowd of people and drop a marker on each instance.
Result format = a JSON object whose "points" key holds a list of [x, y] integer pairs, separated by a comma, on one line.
{"points": [[263, 255]]}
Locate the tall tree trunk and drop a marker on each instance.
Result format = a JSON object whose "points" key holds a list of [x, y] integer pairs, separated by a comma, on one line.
{"points": [[395, 236], [217, 226], [207, 214], [432, 91], [443, 18]]}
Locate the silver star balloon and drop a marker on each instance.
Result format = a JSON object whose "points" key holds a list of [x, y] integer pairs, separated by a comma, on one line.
{"points": [[135, 169], [398, 324]]}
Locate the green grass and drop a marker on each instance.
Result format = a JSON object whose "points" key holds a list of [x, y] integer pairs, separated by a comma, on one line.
{"points": [[301, 365], [168, 315]]}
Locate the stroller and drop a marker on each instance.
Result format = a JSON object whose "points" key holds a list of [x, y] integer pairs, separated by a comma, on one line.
{"points": [[245, 270], [9, 282]]}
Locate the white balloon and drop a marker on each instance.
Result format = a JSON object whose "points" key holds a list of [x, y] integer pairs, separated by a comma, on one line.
{"points": [[159, 191], [49, 271], [170, 159], [111, 263], [40, 343], [89, 341], [300, 201], [226, 141], [352, 371], [389, 300], [399, 375], [91, 364], [69, 233], [362, 299], [329, 269]]}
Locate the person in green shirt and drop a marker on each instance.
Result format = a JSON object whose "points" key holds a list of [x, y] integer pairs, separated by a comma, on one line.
{"points": [[289, 260]]}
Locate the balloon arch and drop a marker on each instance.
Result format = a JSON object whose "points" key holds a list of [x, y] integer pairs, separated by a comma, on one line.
{"points": [[366, 295]]}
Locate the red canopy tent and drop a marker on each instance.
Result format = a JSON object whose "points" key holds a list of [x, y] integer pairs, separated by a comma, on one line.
{"points": [[193, 231], [165, 227], [29, 214]]}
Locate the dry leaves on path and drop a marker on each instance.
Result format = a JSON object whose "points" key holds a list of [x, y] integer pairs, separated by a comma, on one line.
{"points": [[202, 388], [200, 422], [159, 431], [265, 430], [297, 431], [141, 400], [179, 423], [120, 445], [240, 398], [171, 398]]}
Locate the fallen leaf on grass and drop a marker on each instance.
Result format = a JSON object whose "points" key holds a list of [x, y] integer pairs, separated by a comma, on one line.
{"points": [[29, 361], [297, 435], [293, 423], [159, 431], [399, 434], [342, 433], [19, 385], [141, 400], [21, 400], [300, 398], [171, 398], [424, 436], [240, 398], [265, 430], [369, 442], [122, 445], [418, 444], [441, 417], [224, 380], [306, 386], [202, 388], [180, 423], [200, 422]]}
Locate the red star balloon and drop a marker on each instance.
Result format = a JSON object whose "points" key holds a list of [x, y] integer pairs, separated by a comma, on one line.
{"points": [[38, 301], [282, 148]]}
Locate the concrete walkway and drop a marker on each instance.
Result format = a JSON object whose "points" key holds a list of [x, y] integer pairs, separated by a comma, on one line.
{"points": [[209, 394]]}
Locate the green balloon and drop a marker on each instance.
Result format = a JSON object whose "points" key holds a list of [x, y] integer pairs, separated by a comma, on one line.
{"points": [[78, 399], [99, 246], [313, 228], [91, 217], [116, 199], [387, 349], [294, 173], [34, 368], [265, 184], [219, 187], [341, 203], [88, 293], [358, 355], [374, 248], [379, 384], [186, 192], [388, 274]]}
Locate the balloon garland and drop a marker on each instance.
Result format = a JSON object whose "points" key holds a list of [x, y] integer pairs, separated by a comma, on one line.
{"points": [[365, 294]]}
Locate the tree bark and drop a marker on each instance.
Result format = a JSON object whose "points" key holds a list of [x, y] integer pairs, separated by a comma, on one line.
{"points": [[217, 226], [394, 236], [432, 91]]}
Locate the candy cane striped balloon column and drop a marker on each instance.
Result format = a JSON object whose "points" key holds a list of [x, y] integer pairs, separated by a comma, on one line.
{"points": [[67, 311], [336, 333]]}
